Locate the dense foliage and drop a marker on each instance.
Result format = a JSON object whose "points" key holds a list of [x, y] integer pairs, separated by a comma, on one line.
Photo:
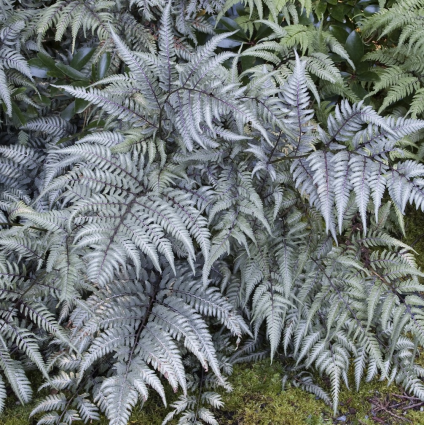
{"points": [[185, 185]]}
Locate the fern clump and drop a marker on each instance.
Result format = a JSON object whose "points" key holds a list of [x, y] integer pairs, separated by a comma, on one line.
{"points": [[176, 199], [401, 67]]}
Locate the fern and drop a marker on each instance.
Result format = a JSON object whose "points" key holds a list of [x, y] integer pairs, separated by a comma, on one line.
{"points": [[314, 43], [176, 198], [403, 76], [11, 59]]}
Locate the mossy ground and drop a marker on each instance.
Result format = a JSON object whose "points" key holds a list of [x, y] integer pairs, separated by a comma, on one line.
{"points": [[258, 398]]}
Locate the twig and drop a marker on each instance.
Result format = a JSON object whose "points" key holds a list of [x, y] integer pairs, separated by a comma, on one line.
{"points": [[285, 158], [378, 419], [413, 405], [406, 397]]}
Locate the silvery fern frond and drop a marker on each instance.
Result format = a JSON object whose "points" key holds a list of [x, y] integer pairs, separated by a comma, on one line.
{"points": [[24, 300], [194, 97], [353, 158], [11, 59], [140, 330], [114, 202]]}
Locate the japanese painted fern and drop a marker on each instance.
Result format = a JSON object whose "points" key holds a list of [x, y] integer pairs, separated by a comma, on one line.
{"points": [[182, 218]]}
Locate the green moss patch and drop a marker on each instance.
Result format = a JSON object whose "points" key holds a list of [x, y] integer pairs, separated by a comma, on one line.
{"points": [[258, 399]]}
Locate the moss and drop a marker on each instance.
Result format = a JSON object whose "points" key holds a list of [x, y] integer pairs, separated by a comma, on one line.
{"points": [[414, 229], [416, 417], [16, 414], [258, 399], [357, 405]]}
